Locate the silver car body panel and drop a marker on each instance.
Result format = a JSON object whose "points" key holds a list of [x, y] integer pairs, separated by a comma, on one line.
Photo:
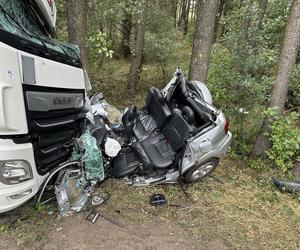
{"points": [[211, 142]]}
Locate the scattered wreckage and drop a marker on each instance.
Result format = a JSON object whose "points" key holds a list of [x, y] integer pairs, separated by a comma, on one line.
{"points": [[177, 137]]}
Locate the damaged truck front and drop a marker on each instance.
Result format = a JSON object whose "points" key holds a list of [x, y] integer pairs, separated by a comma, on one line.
{"points": [[42, 94]]}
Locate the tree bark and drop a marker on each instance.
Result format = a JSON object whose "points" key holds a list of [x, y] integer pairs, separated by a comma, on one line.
{"points": [[263, 4], [186, 20], [76, 26], [180, 3], [136, 65], [182, 17], [226, 7], [193, 10], [221, 10], [246, 21], [243, 37], [284, 70], [206, 16], [175, 9], [287, 58], [126, 30]]}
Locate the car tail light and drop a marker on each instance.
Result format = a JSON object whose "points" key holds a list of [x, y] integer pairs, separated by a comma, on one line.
{"points": [[226, 127]]}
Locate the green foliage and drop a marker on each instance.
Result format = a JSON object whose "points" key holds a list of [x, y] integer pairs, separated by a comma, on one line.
{"points": [[273, 27], [222, 78], [61, 23], [159, 39], [4, 228], [258, 164], [98, 46], [285, 137], [243, 68]]}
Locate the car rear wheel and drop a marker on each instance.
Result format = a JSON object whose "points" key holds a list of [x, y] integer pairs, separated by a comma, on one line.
{"points": [[201, 170]]}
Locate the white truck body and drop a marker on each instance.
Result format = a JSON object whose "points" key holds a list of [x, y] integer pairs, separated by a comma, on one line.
{"points": [[32, 86]]}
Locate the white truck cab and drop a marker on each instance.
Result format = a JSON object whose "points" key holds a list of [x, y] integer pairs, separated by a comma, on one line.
{"points": [[42, 95]]}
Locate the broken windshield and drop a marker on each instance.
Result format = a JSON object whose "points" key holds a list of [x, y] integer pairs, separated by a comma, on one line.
{"points": [[21, 18]]}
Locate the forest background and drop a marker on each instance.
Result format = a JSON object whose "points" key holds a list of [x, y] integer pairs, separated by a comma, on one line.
{"points": [[246, 51]]}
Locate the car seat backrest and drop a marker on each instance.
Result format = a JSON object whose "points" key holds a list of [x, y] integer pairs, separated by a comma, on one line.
{"points": [[156, 105], [177, 130]]}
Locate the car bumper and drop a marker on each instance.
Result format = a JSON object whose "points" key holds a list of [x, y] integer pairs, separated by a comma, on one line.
{"points": [[226, 144], [13, 196]]}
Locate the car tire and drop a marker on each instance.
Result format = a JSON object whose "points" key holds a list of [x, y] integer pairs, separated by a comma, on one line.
{"points": [[200, 170]]}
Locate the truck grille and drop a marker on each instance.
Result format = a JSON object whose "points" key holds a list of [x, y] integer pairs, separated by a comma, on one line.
{"points": [[55, 117]]}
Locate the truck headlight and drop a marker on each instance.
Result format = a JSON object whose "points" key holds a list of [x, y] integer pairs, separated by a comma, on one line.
{"points": [[15, 171]]}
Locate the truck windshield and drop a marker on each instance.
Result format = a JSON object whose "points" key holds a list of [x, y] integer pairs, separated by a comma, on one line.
{"points": [[21, 18]]}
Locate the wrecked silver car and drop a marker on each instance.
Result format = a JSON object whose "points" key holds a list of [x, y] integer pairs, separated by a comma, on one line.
{"points": [[178, 136]]}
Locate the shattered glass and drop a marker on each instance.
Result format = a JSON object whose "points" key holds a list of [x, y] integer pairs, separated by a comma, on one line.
{"points": [[16, 17], [91, 156]]}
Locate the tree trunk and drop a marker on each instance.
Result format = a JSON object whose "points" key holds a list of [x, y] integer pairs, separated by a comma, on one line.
{"points": [[245, 22], [219, 15], [193, 9], [186, 20], [76, 26], [136, 65], [243, 37], [126, 30], [285, 67], [175, 9], [225, 9], [204, 31], [180, 3], [287, 58], [182, 17], [262, 11], [260, 16]]}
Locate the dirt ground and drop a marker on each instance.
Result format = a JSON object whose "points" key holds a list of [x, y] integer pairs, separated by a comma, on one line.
{"points": [[236, 209], [76, 233]]}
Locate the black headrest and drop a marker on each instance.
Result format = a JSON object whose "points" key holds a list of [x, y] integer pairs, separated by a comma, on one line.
{"points": [[177, 111], [155, 94], [132, 113], [188, 114], [129, 116]]}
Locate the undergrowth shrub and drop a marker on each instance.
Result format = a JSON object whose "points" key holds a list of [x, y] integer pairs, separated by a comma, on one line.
{"points": [[285, 137]]}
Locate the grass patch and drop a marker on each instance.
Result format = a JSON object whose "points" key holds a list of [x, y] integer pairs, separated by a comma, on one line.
{"points": [[243, 211], [28, 224]]}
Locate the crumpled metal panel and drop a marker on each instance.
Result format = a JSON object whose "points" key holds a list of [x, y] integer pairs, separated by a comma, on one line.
{"points": [[71, 191]]}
